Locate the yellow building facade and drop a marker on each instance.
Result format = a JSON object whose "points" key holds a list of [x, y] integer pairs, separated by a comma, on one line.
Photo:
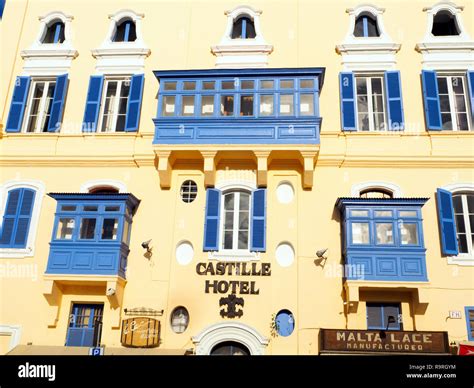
{"points": [[209, 177]]}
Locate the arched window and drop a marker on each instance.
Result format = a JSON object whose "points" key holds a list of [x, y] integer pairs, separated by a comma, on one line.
{"points": [[230, 348], [103, 190], [366, 26], [125, 32], [445, 24], [376, 193], [54, 32], [243, 28], [235, 220]]}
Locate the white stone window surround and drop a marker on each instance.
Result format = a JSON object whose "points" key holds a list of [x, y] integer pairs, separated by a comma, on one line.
{"points": [[50, 58], [462, 259], [14, 331], [238, 53], [215, 334], [122, 57], [92, 184], [367, 53], [391, 187], [234, 255], [451, 52], [39, 187]]}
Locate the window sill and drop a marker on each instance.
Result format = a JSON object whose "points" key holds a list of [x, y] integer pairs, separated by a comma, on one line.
{"points": [[16, 253], [234, 256], [462, 260]]}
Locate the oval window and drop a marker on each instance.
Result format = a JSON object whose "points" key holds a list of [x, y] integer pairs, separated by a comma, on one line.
{"points": [[285, 323], [179, 319]]}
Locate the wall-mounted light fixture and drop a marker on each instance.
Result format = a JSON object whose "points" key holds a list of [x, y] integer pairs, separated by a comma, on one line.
{"points": [[322, 257], [146, 245]]}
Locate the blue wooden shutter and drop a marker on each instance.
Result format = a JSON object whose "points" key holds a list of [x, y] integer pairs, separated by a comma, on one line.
{"points": [[17, 217], [258, 224], [394, 100], [470, 82], [431, 100], [134, 103], [18, 104], [24, 218], [211, 226], [9, 217], [58, 103], [94, 95], [348, 101], [447, 225]]}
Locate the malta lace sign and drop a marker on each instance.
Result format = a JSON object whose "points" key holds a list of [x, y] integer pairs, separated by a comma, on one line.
{"points": [[369, 341]]}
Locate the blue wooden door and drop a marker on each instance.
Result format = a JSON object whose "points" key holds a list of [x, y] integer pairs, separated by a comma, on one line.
{"points": [[84, 319]]}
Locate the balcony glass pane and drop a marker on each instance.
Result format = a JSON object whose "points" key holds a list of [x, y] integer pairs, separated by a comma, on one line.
{"points": [[267, 84], [65, 228], [87, 230], [307, 83], [246, 105], [286, 105], [409, 234], [383, 213], [189, 85], [384, 233], [408, 213], [109, 229], [168, 107], [207, 105], [306, 104], [287, 84], [266, 105], [227, 105], [170, 86], [187, 106], [359, 213], [360, 233], [208, 85]]}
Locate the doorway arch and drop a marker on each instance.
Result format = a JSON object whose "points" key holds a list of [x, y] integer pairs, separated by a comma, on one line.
{"points": [[230, 348], [237, 333]]}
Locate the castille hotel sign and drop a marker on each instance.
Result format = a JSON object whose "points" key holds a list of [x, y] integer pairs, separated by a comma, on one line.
{"points": [[232, 305], [374, 341]]}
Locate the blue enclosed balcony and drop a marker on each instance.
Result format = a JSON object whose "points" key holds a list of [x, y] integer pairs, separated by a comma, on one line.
{"points": [[251, 106], [91, 234], [383, 239], [253, 111]]}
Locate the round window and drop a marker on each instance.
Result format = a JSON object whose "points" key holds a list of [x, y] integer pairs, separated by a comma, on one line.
{"points": [[184, 252], [179, 319], [189, 191], [285, 192], [285, 323], [285, 254]]}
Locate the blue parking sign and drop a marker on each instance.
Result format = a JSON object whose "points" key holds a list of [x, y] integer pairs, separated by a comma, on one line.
{"points": [[96, 351]]}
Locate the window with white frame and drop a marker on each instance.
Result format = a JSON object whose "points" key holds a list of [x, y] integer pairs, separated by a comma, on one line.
{"points": [[376, 193], [20, 205], [38, 109], [452, 89], [371, 114], [463, 204], [235, 221], [114, 104], [444, 24], [125, 31], [243, 28], [366, 26], [54, 32]]}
